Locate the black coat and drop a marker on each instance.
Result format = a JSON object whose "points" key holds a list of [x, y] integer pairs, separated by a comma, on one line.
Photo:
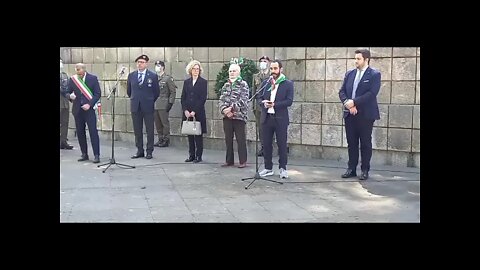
{"points": [[194, 98]]}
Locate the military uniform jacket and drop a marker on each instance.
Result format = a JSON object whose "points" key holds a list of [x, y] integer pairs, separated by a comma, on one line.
{"points": [[167, 92], [64, 101], [258, 79]]}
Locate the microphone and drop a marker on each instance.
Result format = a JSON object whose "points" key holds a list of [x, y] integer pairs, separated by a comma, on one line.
{"points": [[122, 71]]}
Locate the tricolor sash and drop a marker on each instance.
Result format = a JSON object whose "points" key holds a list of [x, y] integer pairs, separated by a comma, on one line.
{"points": [[82, 87]]}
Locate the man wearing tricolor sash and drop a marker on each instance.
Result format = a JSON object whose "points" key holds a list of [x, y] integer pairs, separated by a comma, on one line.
{"points": [[274, 101], [85, 92]]}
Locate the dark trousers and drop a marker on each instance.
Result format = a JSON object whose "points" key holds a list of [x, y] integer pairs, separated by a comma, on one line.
{"points": [[259, 125], [90, 118], [195, 145], [138, 118], [237, 127], [279, 127], [358, 128], [162, 124], [63, 124]]}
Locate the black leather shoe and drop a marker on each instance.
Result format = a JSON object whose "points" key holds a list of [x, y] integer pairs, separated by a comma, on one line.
{"points": [[197, 160], [65, 145], [138, 155], [165, 143], [96, 159], [158, 143], [349, 173], [149, 156], [83, 158], [364, 175], [190, 159]]}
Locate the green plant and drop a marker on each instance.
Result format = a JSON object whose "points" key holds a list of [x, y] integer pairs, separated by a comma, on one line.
{"points": [[248, 68]]}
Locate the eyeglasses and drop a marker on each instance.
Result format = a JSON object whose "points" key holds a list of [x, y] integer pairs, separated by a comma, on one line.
{"points": [[141, 62]]}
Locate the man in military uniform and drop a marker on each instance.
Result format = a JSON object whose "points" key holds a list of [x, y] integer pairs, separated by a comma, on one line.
{"points": [[164, 104], [64, 107], [262, 75]]}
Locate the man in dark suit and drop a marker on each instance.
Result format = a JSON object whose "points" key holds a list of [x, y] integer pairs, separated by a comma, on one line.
{"points": [[143, 91], [85, 91], [359, 96], [274, 101]]}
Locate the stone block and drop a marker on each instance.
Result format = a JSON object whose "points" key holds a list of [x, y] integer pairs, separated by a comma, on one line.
{"points": [[416, 117], [335, 69], [134, 53], [399, 139], [383, 121], [336, 52], [332, 113], [314, 91], [331, 91], [296, 52], [384, 65], [185, 54], [331, 135], [315, 52], [294, 133], [311, 134], [267, 51], [200, 54], [123, 55], [280, 53], [381, 52], [400, 116], [403, 69], [76, 55], [214, 69], [215, 54], [99, 55], [312, 113], [416, 140], [171, 54], [111, 55], [404, 51], [379, 138], [294, 69], [229, 53], [403, 92], [315, 69], [248, 52], [87, 54], [298, 91], [385, 92], [294, 111], [417, 93], [155, 54]]}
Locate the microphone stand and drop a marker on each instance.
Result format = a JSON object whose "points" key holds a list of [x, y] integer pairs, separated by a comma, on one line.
{"points": [[112, 160], [257, 175]]}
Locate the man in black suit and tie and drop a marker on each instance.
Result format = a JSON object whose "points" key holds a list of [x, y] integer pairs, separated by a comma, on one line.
{"points": [[274, 101], [359, 97], [84, 90], [143, 91]]}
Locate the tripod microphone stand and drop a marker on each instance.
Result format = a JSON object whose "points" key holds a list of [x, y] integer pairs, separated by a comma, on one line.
{"points": [[257, 175], [112, 160]]}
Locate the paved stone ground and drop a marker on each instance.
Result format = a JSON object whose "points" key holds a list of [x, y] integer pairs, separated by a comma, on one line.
{"points": [[166, 189]]}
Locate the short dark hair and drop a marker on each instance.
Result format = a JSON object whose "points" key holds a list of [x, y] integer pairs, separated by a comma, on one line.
{"points": [[365, 54], [277, 61]]}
